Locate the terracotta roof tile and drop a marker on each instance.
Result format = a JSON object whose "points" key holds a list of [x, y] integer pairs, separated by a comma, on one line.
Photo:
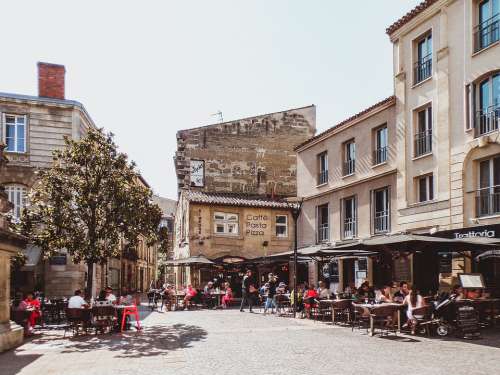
{"points": [[346, 121], [409, 16], [230, 199]]}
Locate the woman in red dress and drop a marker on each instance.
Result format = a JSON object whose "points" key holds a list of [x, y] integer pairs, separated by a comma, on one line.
{"points": [[33, 305], [310, 298], [228, 295]]}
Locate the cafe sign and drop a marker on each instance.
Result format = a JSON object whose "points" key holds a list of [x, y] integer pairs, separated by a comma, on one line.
{"points": [[256, 224], [472, 233]]}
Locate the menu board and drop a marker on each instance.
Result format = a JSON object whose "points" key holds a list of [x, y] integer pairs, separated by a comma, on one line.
{"points": [[471, 280]]}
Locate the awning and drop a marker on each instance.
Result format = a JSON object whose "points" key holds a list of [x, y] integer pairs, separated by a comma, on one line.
{"points": [[488, 255], [418, 243], [191, 261]]}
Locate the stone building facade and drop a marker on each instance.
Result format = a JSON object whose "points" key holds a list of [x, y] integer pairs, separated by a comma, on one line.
{"points": [[229, 228], [168, 208], [251, 156]]}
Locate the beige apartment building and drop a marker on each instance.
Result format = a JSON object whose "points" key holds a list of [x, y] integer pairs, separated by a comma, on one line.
{"points": [[346, 177], [443, 159], [447, 88]]}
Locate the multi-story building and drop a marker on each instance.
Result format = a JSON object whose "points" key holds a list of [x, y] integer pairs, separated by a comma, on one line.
{"points": [[244, 169], [168, 207], [447, 88], [346, 177]]}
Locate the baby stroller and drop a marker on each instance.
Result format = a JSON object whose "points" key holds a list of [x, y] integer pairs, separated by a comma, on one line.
{"points": [[459, 316], [154, 296]]}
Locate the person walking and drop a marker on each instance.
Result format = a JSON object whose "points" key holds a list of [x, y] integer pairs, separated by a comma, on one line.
{"points": [[246, 297], [271, 292]]}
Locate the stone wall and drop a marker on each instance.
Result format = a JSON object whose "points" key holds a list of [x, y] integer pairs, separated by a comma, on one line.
{"points": [[253, 155]]}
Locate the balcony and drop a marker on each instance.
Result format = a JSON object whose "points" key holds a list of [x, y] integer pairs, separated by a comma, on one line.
{"points": [[487, 121], [423, 143], [486, 33], [323, 233], [488, 201], [422, 69], [350, 227], [381, 222], [323, 177], [380, 155], [349, 167]]}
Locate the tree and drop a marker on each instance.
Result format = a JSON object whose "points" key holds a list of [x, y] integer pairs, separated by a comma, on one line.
{"points": [[88, 201]]}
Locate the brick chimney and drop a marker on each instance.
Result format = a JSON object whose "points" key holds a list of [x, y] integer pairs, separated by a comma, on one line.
{"points": [[51, 80]]}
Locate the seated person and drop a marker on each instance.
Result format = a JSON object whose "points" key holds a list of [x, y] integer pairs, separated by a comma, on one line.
{"points": [[365, 291], [281, 289], [208, 291], [110, 296], [101, 299], [323, 292], [77, 301], [126, 298], [414, 301], [384, 295], [402, 292], [190, 294], [228, 295], [33, 305], [310, 300]]}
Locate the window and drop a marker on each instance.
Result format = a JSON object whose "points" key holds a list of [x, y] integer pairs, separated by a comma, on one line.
{"points": [[17, 196], [423, 65], [350, 221], [349, 158], [225, 223], [197, 172], [425, 185], [281, 226], [487, 30], [15, 133], [381, 210], [488, 112], [323, 223], [380, 153], [488, 194], [423, 132], [323, 168]]}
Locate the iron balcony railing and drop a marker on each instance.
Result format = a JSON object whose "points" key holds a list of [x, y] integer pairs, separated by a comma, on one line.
{"points": [[381, 222], [422, 69], [349, 167], [487, 33], [323, 177], [350, 227], [488, 201], [380, 155], [487, 121], [423, 142], [323, 233]]}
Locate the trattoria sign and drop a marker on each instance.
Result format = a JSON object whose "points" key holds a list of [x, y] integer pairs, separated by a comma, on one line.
{"points": [[486, 231], [472, 233], [255, 225]]}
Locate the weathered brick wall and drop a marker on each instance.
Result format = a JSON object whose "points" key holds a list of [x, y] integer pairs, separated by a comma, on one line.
{"points": [[253, 155]]}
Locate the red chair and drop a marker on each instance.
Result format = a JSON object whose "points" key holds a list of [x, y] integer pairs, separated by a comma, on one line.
{"points": [[131, 311]]}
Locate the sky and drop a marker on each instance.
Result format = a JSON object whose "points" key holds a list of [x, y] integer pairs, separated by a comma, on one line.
{"points": [[146, 69]]}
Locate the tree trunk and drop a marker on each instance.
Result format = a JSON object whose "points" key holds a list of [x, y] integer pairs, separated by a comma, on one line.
{"points": [[90, 279]]}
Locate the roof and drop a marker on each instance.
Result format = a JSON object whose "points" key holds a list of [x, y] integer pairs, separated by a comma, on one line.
{"points": [[389, 100], [409, 16], [231, 199], [248, 118], [44, 100], [167, 206]]}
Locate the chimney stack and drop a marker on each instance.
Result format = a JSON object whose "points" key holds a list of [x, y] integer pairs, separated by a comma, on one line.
{"points": [[51, 80]]}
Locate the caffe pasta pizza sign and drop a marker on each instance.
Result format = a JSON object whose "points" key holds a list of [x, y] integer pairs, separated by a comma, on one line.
{"points": [[256, 225]]}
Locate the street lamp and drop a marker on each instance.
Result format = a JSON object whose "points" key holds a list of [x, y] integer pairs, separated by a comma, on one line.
{"points": [[297, 206]]}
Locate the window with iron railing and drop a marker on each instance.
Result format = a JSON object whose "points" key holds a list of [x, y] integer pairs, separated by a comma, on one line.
{"points": [[380, 152], [423, 66], [381, 210], [350, 218], [488, 113], [349, 158], [322, 223], [322, 168], [423, 132], [487, 31], [488, 194]]}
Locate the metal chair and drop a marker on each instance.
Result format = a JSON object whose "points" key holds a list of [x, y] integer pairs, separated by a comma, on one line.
{"points": [[360, 318], [382, 317]]}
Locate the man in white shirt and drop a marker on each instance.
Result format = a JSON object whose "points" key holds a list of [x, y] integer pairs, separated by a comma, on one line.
{"points": [[110, 296], [77, 302]]}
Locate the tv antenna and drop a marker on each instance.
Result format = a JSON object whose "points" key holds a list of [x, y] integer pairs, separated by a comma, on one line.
{"points": [[219, 115]]}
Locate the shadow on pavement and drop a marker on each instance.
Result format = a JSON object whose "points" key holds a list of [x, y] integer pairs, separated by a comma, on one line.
{"points": [[12, 363]]}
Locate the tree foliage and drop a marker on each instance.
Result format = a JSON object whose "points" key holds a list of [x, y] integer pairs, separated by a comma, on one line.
{"points": [[89, 201]]}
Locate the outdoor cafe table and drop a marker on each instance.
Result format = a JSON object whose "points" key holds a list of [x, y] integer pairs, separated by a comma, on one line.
{"points": [[371, 307], [179, 296]]}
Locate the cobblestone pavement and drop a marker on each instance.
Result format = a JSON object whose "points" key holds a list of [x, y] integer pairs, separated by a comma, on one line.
{"points": [[230, 342]]}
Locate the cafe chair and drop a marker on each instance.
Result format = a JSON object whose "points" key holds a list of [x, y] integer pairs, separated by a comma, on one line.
{"points": [[360, 317], [76, 318], [381, 317], [131, 311], [422, 318], [103, 318], [341, 311]]}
